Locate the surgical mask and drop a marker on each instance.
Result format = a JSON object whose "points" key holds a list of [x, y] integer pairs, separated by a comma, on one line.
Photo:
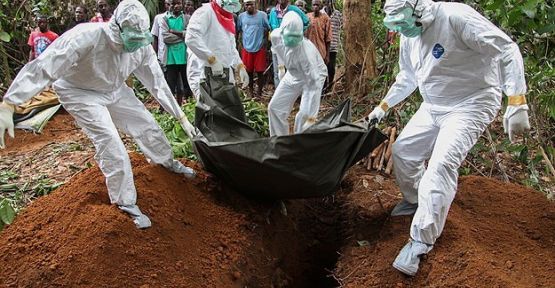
{"points": [[292, 39], [403, 22], [231, 6], [133, 39]]}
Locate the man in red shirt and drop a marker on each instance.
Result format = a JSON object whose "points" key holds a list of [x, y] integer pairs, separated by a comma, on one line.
{"points": [[40, 38], [103, 11]]}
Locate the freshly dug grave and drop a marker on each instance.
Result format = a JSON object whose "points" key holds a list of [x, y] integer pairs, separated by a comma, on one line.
{"points": [[205, 235], [497, 235], [201, 237]]}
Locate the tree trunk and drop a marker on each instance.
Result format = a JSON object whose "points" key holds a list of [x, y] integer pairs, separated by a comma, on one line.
{"points": [[360, 56]]}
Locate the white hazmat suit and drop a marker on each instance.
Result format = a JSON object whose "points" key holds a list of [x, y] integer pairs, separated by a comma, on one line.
{"points": [[210, 44], [88, 67], [306, 74], [460, 63]]}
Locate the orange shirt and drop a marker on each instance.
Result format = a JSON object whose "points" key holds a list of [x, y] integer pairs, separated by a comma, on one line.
{"points": [[319, 32]]}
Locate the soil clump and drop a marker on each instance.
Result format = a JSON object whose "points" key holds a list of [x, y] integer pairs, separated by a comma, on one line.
{"points": [[497, 235]]}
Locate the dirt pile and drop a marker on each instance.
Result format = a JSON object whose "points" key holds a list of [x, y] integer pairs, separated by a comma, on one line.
{"points": [[60, 128], [73, 237], [497, 235], [203, 235], [206, 235]]}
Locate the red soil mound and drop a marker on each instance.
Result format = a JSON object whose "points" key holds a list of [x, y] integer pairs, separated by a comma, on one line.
{"points": [[73, 237], [497, 235], [58, 129]]}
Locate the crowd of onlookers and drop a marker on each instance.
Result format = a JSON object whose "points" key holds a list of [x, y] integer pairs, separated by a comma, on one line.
{"points": [[322, 27], [42, 36]]}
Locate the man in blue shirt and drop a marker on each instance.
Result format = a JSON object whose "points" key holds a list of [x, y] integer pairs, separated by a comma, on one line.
{"points": [[275, 17], [253, 26]]}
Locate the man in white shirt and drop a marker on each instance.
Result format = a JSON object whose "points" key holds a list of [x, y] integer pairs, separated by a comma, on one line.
{"points": [[158, 43]]}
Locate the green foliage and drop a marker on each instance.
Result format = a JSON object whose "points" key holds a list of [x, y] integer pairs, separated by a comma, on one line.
{"points": [[44, 186], [181, 145], [7, 212], [7, 175], [151, 6], [257, 116], [12, 194], [140, 90], [4, 36], [532, 24]]}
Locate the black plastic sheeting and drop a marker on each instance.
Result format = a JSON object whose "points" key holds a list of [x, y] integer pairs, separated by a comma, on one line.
{"points": [[309, 164]]}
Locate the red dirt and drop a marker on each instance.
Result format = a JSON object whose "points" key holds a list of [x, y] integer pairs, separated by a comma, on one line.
{"points": [[205, 235], [201, 237], [72, 237], [60, 128], [497, 235]]}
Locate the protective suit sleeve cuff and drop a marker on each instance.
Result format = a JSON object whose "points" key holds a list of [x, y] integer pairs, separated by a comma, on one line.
{"points": [[516, 100], [181, 116], [211, 60], [384, 106], [513, 109], [8, 106]]}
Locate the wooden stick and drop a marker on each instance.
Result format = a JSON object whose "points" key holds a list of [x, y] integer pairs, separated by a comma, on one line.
{"points": [[380, 155], [386, 130], [391, 140], [376, 150], [376, 162], [546, 158], [369, 162], [389, 166]]}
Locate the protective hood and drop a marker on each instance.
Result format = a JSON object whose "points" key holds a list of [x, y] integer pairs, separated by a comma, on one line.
{"points": [[423, 9], [293, 23], [292, 30], [129, 13]]}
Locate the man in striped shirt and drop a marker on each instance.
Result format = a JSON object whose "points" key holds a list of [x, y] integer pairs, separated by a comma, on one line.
{"points": [[336, 19]]}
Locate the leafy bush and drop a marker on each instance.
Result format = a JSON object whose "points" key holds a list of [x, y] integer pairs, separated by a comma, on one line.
{"points": [[7, 212], [181, 144], [257, 116]]}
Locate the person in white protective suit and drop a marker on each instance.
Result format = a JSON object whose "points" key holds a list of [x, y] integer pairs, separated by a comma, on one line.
{"points": [[461, 64], [306, 74], [88, 66], [210, 40]]}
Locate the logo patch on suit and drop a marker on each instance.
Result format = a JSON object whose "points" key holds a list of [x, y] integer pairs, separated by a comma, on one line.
{"points": [[437, 51]]}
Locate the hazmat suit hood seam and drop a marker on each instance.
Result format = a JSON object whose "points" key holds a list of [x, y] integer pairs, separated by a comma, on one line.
{"points": [[428, 15]]}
